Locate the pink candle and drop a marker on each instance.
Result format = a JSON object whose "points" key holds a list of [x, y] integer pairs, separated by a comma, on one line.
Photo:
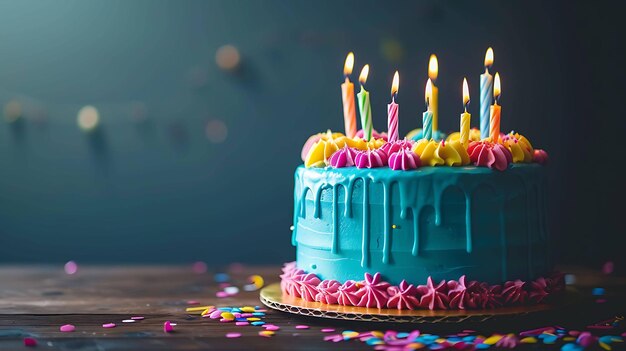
{"points": [[392, 111]]}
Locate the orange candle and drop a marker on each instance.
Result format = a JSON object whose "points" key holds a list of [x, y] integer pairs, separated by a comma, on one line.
{"points": [[494, 111], [347, 94]]}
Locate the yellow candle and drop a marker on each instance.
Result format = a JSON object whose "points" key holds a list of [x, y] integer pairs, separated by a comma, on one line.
{"points": [[465, 116], [433, 72], [347, 94], [494, 111]]}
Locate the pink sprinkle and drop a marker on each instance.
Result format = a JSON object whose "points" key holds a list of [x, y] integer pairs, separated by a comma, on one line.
{"points": [[108, 325], [226, 320], [241, 323], [67, 328], [216, 314], [199, 267], [221, 294], [30, 342], [167, 327], [71, 267], [193, 302], [328, 330], [302, 326], [271, 327], [137, 318], [233, 335], [246, 315]]}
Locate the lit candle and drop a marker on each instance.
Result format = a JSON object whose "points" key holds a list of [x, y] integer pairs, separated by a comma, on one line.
{"points": [[347, 94], [364, 105], [427, 117], [392, 111], [465, 116], [494, 129], [486, 84], [433, 71]]}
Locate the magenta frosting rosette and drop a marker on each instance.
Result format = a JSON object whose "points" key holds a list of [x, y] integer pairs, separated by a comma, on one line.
{"points": [[343, 157], [397, 145], [375, 134], [488, 154], [371, 158], [403, 297], [373, 291], [404, 159]]}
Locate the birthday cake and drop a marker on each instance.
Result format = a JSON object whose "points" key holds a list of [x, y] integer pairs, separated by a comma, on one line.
{"points": [[382, 222]]}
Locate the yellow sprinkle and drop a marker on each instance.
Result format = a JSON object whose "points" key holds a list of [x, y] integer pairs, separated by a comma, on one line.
{"points": [[378, 334], [605, 346], [198, 309], [266, 333], [617, 340], [414, 346], [227, 315], [393, 226], [247, 309], [257, 280], [254, 319], [569, 338], [492, 340], [528, 340], [440, 340]]}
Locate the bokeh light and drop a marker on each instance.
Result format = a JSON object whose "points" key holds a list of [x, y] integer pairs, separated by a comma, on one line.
{"points": [[392, 50], [227, 57], [71, 267], [88, 118], [216, 131], [12, 111]]}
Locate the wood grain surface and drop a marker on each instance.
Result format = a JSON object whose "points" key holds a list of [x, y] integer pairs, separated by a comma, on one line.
{"points": [[36, 300]]}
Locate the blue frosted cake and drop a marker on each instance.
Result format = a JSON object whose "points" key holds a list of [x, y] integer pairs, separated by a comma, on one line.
{"points": [[426, 224]]}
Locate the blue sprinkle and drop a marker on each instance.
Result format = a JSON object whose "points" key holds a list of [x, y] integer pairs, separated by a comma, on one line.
{"points": [[221, 277], [257, 323], [454, 339], [572, 347], [437, 347], [235, 310], [469, 338], [597, 291], [241, 319], [258, 314], [402, 335], [482, 346], [226, 309], [373, 341], [607, 339], [549, 339]]}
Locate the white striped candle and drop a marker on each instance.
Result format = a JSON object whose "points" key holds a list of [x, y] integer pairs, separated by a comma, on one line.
{"points": [[486, 97]]}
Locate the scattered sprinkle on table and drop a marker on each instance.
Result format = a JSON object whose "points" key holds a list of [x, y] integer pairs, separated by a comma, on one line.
{"points": [[302, 326], [233, 335], [67, 328], [129, 321], [108, 325], [137, 318], [328, 330], [168, 327], [30, 342]]}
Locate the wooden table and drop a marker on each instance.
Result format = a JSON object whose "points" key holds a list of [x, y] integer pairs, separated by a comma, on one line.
{"points": [[36, 300]]}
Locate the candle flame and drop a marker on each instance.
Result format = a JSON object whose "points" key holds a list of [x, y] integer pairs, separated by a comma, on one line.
{"points": [[466, 97], [433, 67], [364, 73], [496, 87], [489, 58], [395, 83], [428, 92], [347, 67]]}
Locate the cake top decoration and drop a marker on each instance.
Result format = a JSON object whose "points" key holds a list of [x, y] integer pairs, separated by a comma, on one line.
{"points": [[427, 146]]}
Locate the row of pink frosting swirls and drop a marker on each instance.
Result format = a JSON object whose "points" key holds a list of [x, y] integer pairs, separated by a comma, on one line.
{"points": [[374, 292]]}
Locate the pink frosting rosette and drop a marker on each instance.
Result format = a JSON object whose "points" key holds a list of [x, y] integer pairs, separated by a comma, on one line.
{"points": [[461, 294], [308, 286], [290, 279], [371, 158], [349, 294], [514, 292], [403, 297], [540, 157], [488, 154], [404, 159], [343, 157], [373, 291], [433, 296], [539, 290], [397, 145], [328, 292]]}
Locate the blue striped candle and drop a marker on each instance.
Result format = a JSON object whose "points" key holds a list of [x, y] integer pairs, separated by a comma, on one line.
{"points": [[486, 98], [427, 120]]}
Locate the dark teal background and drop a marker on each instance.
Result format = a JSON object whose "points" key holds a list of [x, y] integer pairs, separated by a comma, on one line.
{"points": [[156, 190]]}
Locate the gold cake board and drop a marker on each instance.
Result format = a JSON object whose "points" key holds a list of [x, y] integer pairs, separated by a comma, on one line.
{"points": [[272, 297]]}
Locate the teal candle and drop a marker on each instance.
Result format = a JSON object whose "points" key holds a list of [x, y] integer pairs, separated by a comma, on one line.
{"points": [[364, 105], [427, 117]]}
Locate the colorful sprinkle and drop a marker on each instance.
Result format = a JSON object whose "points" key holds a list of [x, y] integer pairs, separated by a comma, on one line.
{"points": [[266, 333], [70, 267], [168, 327], [129, 321], [67, 328], [137, 318], [30, 342], [328, 330], [108, 325], [233, 335], [301, 326], [271, 327]]}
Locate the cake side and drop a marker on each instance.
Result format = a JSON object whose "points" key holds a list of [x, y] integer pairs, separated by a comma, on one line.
{"points": [[439, 222]]}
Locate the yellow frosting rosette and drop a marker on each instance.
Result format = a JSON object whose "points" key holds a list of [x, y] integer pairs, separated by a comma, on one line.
{"points": [[520, 147], [432, 153], [474, 135], [321, 151]]}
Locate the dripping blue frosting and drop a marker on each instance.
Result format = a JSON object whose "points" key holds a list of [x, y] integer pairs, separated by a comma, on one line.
{"points": [[442, 222]]}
